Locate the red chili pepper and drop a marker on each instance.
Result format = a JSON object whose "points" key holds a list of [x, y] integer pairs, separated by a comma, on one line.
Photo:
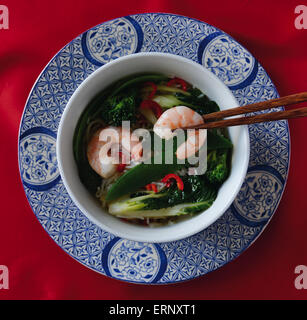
{"points": [[178, 81], [151, 187], [121, 166], [154, 89], [153, 105], [170, 176]]}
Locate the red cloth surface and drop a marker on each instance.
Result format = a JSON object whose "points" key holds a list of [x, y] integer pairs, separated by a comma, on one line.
{"points": [[40, 269]]}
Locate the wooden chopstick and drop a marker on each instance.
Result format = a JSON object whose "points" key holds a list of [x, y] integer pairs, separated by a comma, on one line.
{"points": [[259, 106], [211, 119], [265, 117]]}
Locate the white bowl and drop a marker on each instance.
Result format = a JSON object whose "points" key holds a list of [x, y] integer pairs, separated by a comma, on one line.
{"points": [[167, 64]]}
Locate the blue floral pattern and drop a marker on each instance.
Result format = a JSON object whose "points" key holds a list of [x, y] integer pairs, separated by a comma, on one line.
{"points": [[228, 60], [110, 41], [135, 261], [101, 251], [259, 195], [38, 164]]}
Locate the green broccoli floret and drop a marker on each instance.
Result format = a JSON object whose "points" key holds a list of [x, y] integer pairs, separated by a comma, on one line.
{"points": [[217, 169], [121, 107]]}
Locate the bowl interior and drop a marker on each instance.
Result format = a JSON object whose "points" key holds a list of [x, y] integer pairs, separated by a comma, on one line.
{"points": [[173, 66]]}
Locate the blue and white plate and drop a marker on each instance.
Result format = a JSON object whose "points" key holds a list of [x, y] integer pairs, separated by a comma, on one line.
{"points": [[144, 262]]}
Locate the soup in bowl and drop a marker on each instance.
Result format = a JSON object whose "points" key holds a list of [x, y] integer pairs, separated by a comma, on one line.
{"points": [[125, 160]]}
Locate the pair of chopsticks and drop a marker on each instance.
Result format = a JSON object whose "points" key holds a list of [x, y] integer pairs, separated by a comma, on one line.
{"points": [[213, 120]]}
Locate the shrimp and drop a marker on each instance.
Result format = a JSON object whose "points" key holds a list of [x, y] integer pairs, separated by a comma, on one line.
{"points": [[180, 117], [105, 169], [110, 147]]}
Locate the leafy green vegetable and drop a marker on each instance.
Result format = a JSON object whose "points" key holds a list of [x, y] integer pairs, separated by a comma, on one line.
{"points": [[167, 100], [137, 177], [217, 141], [198, 101], [196, 196], [122, 209], [217, 168], [121, 107], [192, 98]]}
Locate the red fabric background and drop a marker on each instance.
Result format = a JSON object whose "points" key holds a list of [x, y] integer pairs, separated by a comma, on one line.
{"points": [[39, 269]]}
